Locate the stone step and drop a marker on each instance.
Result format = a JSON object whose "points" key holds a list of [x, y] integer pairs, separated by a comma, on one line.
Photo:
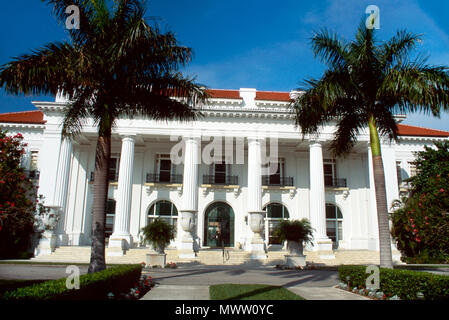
{"points": [[213, 256]]}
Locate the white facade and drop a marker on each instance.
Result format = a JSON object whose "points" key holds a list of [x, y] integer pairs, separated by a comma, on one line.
{"points": [[307, 181]]}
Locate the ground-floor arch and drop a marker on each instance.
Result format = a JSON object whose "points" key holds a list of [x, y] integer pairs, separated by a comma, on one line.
{"points": [[219, 225]]}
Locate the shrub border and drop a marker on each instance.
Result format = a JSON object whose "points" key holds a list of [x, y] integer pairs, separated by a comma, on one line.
{"points": [[406, 284]]}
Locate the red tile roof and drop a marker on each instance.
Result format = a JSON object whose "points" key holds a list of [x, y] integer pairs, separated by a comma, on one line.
{"points": [[273, 96], [407, 130], [260, 95], [224, 94], [32, 117]]}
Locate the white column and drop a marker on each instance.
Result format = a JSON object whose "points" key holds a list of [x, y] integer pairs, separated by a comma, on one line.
{"points": [[121, 237], [61, 189], [256, 215], [317, 201], [189, 208]]}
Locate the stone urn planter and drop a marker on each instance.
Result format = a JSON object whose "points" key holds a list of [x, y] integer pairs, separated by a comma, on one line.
{"points": [[257, 244], [296, 233], [47, 218], [159, 234]]}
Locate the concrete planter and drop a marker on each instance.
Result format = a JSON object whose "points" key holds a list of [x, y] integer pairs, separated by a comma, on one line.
{"points": [[156, 259], [295, 258]]}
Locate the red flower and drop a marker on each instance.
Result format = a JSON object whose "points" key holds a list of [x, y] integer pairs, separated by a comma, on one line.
{"points": [[418, 239]]}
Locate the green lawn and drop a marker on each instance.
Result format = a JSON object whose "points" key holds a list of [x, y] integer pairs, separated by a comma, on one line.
{"points": [[251, 292]]}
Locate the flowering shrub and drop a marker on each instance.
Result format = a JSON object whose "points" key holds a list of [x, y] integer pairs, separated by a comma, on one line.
{"points": [[17, 199], [421, 226]]}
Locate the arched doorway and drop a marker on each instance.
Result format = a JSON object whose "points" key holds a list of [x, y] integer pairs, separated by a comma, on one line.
{"points": [[219, 225]]}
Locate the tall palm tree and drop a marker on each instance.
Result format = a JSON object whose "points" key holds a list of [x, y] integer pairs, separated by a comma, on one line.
{"points": [[115, 65], [365, 84]]}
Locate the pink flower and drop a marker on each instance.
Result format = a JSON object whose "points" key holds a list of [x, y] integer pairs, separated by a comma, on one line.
{"points": [[441, 190]]}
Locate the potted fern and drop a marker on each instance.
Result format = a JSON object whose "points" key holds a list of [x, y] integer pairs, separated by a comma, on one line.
{"points": [[297, 233], [159, 234]]}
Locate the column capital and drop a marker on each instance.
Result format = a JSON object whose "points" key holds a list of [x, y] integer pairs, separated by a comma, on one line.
{"points": [[315, 144], [254, 139], [127, 136]]}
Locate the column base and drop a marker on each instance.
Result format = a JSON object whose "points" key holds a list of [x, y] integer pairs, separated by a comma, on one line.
{"points": [[257, 249], [118, 245], [323, 244], [186, 250]]}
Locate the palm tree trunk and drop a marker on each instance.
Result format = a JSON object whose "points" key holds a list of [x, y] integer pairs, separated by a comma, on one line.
{"points": [[386, 260], [101, 185]]}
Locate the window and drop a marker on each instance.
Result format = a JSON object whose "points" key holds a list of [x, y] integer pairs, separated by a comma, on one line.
{"points": [[399, 172], [164, 210], [114, 166], [220, 173], [330, 172], [277, 177], [164, 167], [110, 216], [34, 157], [276, 212], [413, 170], [334, 224]]}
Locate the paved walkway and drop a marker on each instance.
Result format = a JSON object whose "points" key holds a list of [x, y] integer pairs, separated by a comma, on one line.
{"points": [[192, 283]]}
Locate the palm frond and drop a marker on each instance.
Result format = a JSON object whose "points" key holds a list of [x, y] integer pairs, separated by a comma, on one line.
{"points": [[329, 48], [41, 72]]}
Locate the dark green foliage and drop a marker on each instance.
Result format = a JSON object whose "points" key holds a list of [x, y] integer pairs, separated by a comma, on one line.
{"points": [[95, 286], [405, 284], [367, 79], [159, 233], [116, 65], [295, 230], [17, 199], [421, 225]]}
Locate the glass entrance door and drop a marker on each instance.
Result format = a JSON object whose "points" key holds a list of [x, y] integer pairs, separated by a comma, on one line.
{"points": [[219, 225]]}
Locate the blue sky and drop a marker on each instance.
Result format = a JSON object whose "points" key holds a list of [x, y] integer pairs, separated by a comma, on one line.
{"points": [[257, 44]]}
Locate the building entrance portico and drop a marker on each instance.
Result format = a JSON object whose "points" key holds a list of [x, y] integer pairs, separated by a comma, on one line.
{"points": [[219, 225]]}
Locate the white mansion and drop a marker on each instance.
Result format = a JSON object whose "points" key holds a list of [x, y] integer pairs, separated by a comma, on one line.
{"points": [[223, 179]]}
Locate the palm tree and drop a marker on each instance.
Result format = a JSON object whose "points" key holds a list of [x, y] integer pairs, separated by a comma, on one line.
{"points": [[365, 84], [115, 65]]}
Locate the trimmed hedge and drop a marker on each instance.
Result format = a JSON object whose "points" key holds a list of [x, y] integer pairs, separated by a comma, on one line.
{"points": [[403, 283], [95, 286]]}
